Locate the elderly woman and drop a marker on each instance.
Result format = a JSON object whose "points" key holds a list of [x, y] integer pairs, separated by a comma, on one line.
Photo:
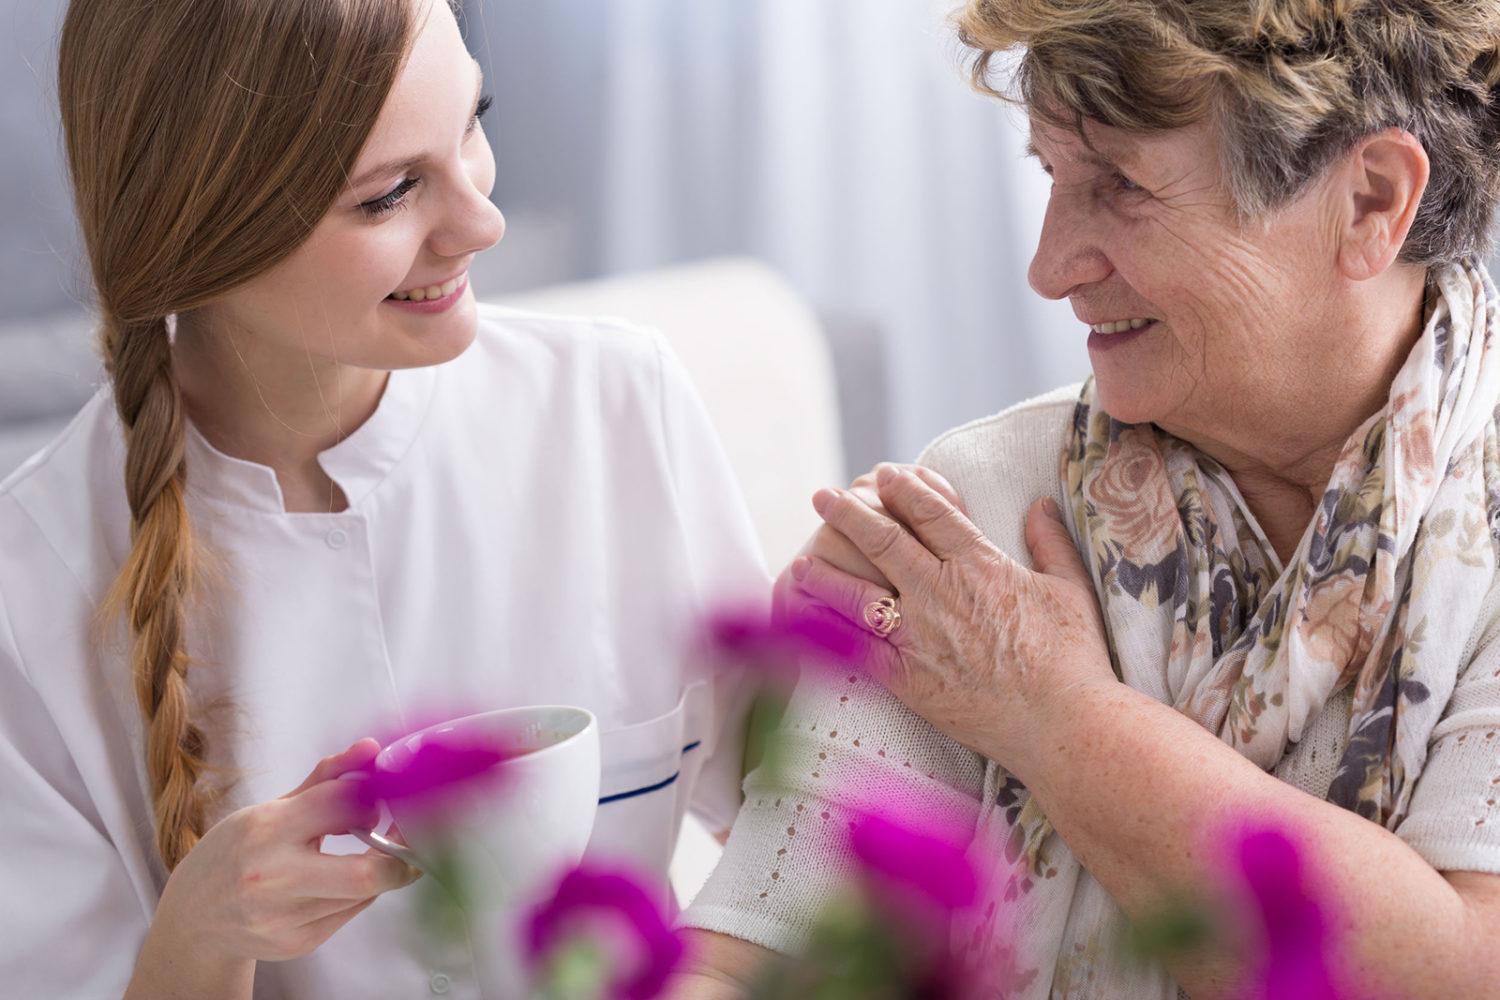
{"points": [[1265, 547]]}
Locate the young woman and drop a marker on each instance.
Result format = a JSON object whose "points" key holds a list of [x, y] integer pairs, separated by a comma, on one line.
{"points": [[324, 492]]}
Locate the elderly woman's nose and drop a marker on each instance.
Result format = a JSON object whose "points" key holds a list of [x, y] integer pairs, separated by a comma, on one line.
{"points": [[1066, 255]]}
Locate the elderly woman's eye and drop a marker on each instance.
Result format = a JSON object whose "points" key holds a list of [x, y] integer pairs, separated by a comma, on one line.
{"points": [[1126, 184]]}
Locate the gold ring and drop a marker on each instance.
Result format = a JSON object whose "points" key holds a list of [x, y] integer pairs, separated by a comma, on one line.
{"points": [[882, 616]]}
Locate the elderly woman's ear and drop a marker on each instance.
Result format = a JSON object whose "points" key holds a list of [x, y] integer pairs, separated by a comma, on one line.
{"points": [[1381, 184]]}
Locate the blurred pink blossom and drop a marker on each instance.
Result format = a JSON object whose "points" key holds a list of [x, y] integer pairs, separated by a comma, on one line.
{"points": [[439, 766], [614, 906], [935, 867], [1292, 921], [916, 875], [777, 645]]}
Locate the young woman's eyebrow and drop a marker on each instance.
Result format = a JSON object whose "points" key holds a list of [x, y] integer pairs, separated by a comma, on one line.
{"points": [[398, 166]]}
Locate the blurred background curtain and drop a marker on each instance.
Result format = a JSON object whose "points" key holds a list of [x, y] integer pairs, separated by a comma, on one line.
{"points": [[39, 254], [835, 139]]}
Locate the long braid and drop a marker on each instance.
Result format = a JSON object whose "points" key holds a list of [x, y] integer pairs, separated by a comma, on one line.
{"points": [[205, 138], [153, 587]]}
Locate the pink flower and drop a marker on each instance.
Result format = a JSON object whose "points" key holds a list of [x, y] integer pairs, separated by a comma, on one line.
{"points": [[934, 867], [777, 645], [613, 911], [433, 772], [914, 874], [1293, 923]]}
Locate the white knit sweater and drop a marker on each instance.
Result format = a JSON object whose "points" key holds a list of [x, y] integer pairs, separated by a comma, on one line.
{"points": [[787, 855]]}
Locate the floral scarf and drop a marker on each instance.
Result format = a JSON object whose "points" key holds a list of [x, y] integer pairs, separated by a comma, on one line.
{"points": [[1381, 594]]}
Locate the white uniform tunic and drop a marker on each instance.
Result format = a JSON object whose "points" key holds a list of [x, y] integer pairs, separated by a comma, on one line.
{"points": [[539, 521]]}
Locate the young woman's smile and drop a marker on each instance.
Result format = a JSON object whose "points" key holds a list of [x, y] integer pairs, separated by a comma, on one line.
{"points": [[427, 299]]}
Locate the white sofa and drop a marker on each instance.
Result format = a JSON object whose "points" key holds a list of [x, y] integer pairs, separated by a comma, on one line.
{"points": [[759, 359]]}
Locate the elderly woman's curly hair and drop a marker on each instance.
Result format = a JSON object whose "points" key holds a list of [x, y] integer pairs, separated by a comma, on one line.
{"points": [[1292, 84]]}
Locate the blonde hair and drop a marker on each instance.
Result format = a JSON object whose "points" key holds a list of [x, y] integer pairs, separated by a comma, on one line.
{"points": [[1292, 85], [205, 139]]}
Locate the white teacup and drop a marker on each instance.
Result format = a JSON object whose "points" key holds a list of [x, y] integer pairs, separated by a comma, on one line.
{"points": [[516, 835]]}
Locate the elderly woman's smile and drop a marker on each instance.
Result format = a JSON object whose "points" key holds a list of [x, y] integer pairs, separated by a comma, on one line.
{"points": [[1108, 329]]}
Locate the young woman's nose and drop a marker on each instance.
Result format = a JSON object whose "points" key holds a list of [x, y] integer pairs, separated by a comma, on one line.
{"points": [[1068, 254], [471, 222], [486, 225]]}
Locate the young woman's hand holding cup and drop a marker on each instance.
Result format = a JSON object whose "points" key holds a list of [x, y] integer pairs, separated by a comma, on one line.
{"points": [[258, 888]]}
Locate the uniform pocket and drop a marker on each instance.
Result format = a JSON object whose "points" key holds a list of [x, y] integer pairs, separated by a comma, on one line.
{"points": [[647, 772]]}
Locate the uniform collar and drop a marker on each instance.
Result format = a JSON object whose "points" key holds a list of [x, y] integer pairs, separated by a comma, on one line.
{"points": [[358, 464]]}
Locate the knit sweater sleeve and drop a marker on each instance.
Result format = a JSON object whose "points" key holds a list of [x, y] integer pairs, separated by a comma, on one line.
{"points": [[1454, 819], [846, 740]]}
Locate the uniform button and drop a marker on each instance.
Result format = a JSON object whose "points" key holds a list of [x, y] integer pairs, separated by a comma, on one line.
{"points": [[337, 539], [438, 983]]}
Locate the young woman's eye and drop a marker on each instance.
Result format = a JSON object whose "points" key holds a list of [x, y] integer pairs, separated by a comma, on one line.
{"points": [[388, 203], [484, 105]]}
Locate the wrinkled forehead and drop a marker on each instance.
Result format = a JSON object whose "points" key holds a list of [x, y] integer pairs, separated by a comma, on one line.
{"points": [[1167, 161], [1089, 142]]}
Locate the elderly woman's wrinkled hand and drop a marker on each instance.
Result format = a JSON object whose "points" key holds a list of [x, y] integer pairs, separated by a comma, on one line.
{"points": [[985, 648], [834, 548]]}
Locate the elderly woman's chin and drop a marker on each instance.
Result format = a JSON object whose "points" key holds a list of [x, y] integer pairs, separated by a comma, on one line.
{"points": [[1140, 380]]}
